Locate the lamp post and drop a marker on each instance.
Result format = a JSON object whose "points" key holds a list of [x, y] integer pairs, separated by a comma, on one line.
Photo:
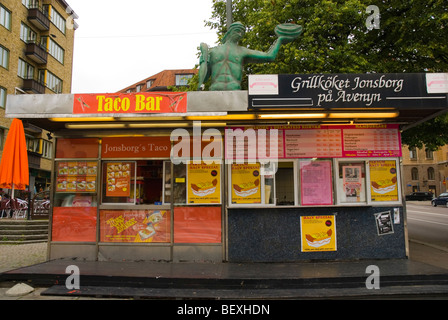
{"points": [[229, 13]]}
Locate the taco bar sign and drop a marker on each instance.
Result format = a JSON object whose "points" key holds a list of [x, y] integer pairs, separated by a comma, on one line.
{"points": [[119, 103]]}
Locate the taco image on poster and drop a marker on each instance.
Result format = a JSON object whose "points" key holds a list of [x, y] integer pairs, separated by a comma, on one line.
{"points": [[203, 189], [246, 189], [319, 239], [384, 186]]}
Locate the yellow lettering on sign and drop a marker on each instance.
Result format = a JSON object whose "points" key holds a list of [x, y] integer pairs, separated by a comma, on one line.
{"points": [[100, 102], [148, 104]]}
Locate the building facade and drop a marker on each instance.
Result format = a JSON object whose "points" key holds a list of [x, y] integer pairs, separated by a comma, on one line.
{"points": [[162, 81], [425, 170], [36, 57]]}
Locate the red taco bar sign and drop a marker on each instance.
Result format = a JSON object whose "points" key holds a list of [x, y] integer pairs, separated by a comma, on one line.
{"points": [[144, 102]]}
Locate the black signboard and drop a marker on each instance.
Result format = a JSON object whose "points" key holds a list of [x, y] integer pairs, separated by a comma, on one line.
{"points": [[345, 91]]}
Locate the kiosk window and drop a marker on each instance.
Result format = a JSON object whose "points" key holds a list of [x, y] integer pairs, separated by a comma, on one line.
{"points": [[351, 182]]}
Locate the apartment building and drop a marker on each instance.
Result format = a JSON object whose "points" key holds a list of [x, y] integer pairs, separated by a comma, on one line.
{"points": [[36, 57], [162, 81], [425, 170]]}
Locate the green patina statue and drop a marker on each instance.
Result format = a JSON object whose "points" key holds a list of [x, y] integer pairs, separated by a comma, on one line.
{"points": [[224, 63]]}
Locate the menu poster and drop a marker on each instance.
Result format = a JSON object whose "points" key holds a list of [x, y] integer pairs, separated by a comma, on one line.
{"points": [[246, 183], [383, 177], [204, 185], [352, 180], [316, 183], [118, 179], [318, 233], [135, 226], [76, 176]]}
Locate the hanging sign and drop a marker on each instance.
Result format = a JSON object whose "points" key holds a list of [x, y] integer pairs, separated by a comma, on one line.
{"points": [[119, 103], [373, 90]]}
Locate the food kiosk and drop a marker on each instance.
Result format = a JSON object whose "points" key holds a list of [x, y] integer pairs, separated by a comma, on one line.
{"points": [[298, 168]]}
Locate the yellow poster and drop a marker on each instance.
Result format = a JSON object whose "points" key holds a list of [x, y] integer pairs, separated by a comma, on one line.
{"points": [[318, 233], [383, 180], [204, 183], [246, 183]]}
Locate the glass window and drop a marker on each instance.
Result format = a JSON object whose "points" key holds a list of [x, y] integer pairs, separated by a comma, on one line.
{"points": [[27, 34], [431, 174], [182, 79], [316, 186], [30, 4], [25, 70], [5, 17], [3, 94], [56, 18], [351, 182], [47, 149], [284, 185], [55, 50], [414, 173], [53, 82], [4, 57]]}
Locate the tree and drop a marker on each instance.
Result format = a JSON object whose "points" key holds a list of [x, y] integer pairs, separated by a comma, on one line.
{"points": [[412, 37]]}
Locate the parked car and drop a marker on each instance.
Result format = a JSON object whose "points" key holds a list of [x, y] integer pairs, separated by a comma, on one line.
{"points": [[420, 196], [441, 200]]}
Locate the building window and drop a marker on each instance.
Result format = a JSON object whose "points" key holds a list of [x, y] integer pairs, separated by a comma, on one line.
{"points": [[33, 144], [2, 98], [429, 154], [31, 4], [5, 17], [27, 34], [413, 154], [47, 149], [149, 83], [139, 88], [56, 18], [54, 49], [182, 79], [2, 136], [414, 174], [431, 174], [53, 83], [25, 70], [4, 57]]}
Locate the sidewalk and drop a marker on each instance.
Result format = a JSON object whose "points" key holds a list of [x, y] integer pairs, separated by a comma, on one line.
{"points": [[307, 280]]}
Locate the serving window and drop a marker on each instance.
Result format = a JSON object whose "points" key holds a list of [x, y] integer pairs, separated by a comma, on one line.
{"points": [[315, 182]]}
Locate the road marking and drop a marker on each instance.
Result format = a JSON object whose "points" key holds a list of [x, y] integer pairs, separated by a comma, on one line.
{"points": [[429, 213], [444, 224]]}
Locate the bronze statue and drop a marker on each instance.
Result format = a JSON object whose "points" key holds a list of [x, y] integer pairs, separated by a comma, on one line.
{"points": [[224, 63]]}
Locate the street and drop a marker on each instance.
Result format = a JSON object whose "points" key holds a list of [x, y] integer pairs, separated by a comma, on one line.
{"points": [[427, 224]]}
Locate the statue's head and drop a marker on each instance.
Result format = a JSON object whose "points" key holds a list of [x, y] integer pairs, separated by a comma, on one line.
{"points": [[236, 31]]}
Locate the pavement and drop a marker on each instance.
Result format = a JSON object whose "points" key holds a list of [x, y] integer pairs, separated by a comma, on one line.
{"points": [[423, 276]]}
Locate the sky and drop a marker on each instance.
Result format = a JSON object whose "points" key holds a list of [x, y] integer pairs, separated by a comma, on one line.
{"points": [[119, 43]]}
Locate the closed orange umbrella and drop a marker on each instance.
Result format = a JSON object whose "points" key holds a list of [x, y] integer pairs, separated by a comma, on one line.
{"points": [[14, 170]]}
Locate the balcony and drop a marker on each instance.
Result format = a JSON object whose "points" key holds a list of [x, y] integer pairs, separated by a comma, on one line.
{"points": [[39, 19], [36, 53], [33, 86]]}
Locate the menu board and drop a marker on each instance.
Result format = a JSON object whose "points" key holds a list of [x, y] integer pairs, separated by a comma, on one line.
{"points": [[204, 183], [76, 176], [316, 183], [118, 179], [314, 141]]}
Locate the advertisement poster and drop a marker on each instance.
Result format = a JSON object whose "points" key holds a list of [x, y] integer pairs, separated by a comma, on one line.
{"points": [[352, 179], [384, 223], [135, 226], [204, 185], [246, 183], [383, 177], [316, 184], [318, 233], [118, 179]]}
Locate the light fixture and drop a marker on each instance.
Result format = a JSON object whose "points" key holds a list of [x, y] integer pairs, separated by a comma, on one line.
{"points": [[292, 116], [364, 115]]}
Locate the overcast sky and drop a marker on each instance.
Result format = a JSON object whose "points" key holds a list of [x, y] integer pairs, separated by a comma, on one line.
{"points": [[119, 43]]}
